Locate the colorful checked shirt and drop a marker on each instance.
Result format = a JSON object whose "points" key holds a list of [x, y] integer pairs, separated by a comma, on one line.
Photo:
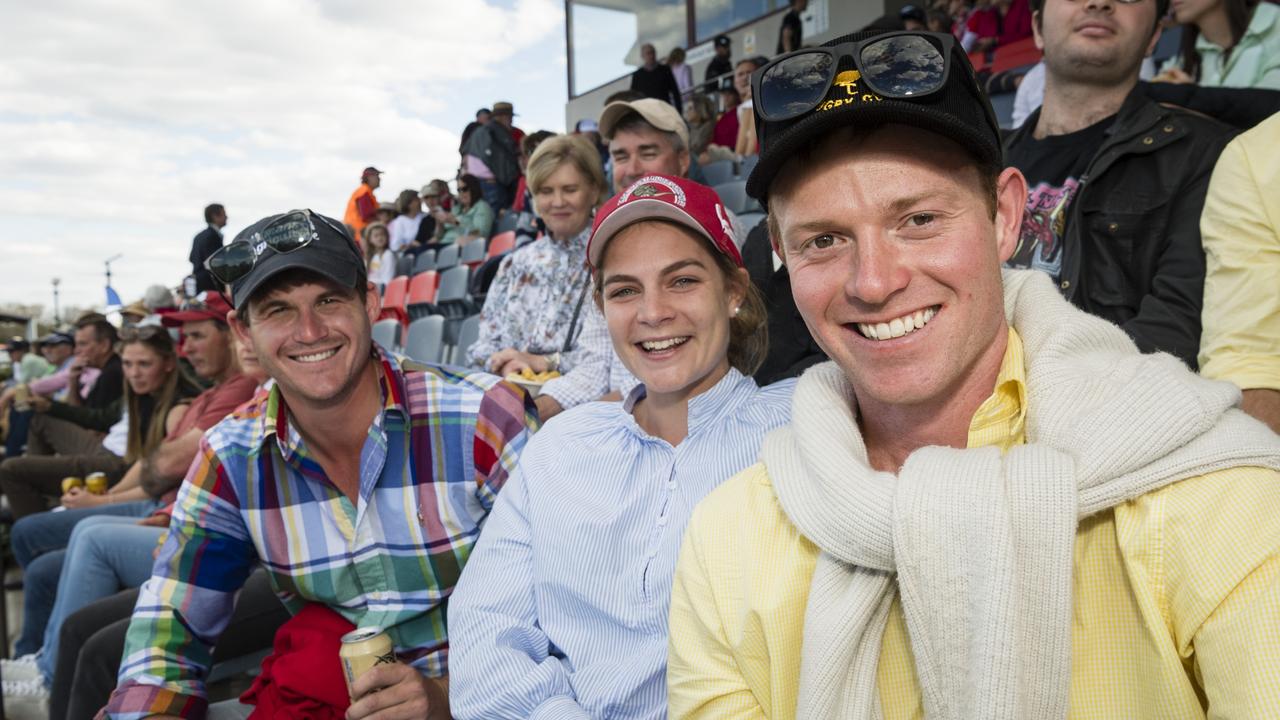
{"points": [[431, 467]]}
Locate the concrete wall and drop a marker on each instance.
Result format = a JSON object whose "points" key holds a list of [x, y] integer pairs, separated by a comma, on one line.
{"points": [[844, 16]]}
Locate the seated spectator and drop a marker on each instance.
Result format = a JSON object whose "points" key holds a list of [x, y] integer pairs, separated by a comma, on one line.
{"points": [[913, 18], [57, 348], [1125, 245], [654, 80], [562, 608], [537, 304], [1015, 21], [524, 200], [380, 261], [104, 554], [386, 213], [404, 228], [65, 436], [1226, 43], [700, 114], [726, 132], [1241, 231], [27, 365], [938, 21], [746, 142], [982, 27], [421, 453], [473, 219], [682, 71]]}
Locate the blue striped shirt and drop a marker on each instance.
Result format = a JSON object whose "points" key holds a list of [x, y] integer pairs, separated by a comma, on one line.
{"points": [[562, 609]]}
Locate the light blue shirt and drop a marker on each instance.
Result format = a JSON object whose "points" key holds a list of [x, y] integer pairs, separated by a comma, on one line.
{"points": [[561, 610]]}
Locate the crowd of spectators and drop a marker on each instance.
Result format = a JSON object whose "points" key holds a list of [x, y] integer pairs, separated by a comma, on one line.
{"points": [[253, 428]]}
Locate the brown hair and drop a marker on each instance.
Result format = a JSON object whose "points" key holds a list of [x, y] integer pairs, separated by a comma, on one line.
{"points": [[748, 328], [177, 387], [573, 150], [367, 233]]}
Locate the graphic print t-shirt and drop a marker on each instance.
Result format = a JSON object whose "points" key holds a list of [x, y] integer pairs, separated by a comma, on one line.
{"points": [[1053, 167]]}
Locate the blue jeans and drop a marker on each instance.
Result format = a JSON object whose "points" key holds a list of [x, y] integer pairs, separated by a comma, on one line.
{"points": [[106, 554], [38, 542], [17, 438], [35, 535], [498, 196]]}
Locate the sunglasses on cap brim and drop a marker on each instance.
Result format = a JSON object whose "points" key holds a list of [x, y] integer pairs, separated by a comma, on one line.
{"points": [[906, 65], [292, 231]]}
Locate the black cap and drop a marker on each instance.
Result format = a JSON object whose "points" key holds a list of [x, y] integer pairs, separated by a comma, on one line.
{"points": [[911, 12], [331, 254], [722, 41], [958, 111], [17, 343], [57, 338]]}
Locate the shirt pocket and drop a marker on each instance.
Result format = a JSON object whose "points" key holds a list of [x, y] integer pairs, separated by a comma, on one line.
{"points": [[1124, 236]]}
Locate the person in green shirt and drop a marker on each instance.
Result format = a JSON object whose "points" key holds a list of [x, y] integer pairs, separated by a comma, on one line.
{"points": [[27, 365]]}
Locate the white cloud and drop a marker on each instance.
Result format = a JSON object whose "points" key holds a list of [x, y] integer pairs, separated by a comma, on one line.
{"points": [[121, 121]]}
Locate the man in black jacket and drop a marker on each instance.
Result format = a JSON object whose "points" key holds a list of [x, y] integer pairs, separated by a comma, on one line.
{"points": [[492, 156], [1116, 182], [206, 242], [655, 80], [720, 64]]}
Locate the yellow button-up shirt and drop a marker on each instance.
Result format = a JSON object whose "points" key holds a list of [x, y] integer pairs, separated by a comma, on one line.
{"points": [[1177, 597]]}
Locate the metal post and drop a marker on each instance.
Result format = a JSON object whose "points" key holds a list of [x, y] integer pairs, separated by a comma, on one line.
{"points": [[57, 316]]}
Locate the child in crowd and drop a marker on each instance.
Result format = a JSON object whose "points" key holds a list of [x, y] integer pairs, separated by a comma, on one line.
{"points": [[379, 260]]}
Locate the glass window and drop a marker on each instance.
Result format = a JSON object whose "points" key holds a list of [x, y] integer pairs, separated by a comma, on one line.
{"points": [[712, 17], [607, 35]]}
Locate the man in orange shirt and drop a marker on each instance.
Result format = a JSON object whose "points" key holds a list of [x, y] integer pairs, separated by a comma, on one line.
{"points": [[363, 206]]}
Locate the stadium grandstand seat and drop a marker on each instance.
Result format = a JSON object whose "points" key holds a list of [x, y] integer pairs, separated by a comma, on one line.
{"points": [[468, 333], [426, 261], [1168, 45], [501, 243], [747, 165], [721, 171], [734, 196], [447, 257], [978, 59], [422, 293], [426, 339], [1022, 53], [1002, 104], [750, 220], [393, 300], [404, 265], [387, 334], [472, 254]]}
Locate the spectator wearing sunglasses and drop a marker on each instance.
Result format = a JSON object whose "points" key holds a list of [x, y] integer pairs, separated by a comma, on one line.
{"points": [[360, 482], [990, 503], [1116, 181]]}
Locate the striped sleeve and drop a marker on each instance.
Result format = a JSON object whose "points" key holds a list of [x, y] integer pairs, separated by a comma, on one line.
{"points": [[188, 601]]}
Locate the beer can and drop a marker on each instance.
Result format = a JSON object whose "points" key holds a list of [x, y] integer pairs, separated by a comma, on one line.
{"points": [[362, 649], [96, 483], [71, 482], [22, 398]]}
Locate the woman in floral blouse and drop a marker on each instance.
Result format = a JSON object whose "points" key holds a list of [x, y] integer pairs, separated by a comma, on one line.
{"points": [[536, 306]]}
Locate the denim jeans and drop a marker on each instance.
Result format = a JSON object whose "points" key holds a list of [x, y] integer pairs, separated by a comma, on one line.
{"points": [[34, 535], [106, 554], [498, 196], [17, 438]]}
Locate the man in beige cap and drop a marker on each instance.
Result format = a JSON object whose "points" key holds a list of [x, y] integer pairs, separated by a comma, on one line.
{"points": [[648, 137]]}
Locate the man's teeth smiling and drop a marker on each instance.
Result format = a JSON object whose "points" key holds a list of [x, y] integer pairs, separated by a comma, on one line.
{"points": [[316, 357], [898, 327], [659, 345]]}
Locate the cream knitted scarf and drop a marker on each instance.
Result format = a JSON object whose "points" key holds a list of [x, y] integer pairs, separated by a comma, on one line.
{"points": [[981, 544]]}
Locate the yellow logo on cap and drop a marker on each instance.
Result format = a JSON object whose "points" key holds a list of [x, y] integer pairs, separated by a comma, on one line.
{"points": [[849, 81]]}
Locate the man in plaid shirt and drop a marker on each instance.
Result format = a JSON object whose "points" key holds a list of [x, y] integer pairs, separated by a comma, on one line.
{"points": [[357, 482]]}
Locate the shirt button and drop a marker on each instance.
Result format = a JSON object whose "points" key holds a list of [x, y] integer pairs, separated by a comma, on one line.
{"points": [[1066, 284], [1113, 227], [1168, 128]]}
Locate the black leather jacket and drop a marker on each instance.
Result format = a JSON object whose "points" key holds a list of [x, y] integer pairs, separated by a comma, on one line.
{"points": [[1132, 250]]}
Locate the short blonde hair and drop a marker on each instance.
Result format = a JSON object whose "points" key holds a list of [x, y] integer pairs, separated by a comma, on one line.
{"points": [[560, 149]]}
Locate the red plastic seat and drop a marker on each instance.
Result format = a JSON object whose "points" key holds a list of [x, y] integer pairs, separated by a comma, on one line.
{"points": [[1015, 55], [422, 288], [502, 242], [393, 300]]}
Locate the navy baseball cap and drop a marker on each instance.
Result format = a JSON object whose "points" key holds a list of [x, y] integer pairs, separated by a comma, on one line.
{"points": [[330, 252]]}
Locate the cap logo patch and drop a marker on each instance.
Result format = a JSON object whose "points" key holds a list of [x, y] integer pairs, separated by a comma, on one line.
{"points": [[260, 247], [724, 220], [848, 81], [657, 187]]}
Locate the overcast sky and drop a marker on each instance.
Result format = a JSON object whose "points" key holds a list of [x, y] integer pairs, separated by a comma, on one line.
{"points": [[119, 122]]}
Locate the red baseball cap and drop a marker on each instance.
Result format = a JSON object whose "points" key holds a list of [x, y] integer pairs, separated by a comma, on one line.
{"points": [[664, 197], [371, 170], [205, 306]]}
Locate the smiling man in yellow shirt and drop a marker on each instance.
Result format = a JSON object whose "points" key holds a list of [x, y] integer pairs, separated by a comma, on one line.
{"points": [[989, 504]]}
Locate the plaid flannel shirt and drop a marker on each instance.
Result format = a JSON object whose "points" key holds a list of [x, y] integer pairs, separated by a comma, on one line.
{"points": [[431, 467]]}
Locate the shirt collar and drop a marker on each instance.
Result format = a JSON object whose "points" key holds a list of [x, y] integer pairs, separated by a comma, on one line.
{"points": [[1001, 419], [275, 420], [706, 408]]}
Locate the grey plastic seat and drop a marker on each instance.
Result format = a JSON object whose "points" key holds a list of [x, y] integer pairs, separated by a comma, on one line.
{"points": [[387, 334], [447, 257], [718, 172], [734, 196], [426, 261], [426, 339], [468, 333], [472, 252]]}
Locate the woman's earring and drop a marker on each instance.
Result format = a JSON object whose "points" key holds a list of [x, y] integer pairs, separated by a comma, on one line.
{"points": [[735, 311]]}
